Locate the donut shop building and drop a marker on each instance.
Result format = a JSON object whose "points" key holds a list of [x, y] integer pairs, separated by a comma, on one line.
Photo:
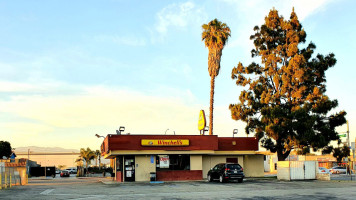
{"points": [[178, 157]]}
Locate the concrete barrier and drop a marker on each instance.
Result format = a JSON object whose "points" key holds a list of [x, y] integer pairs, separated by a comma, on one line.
{"points": [[323, 176]]}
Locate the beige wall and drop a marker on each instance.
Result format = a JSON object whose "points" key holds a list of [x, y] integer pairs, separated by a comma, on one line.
{"points": [[196, 162], [253, 165], [54, 160], [144, 167], [211, 160]]}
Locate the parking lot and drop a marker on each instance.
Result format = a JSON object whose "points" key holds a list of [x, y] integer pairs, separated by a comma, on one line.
{"points": [[103, 188]]}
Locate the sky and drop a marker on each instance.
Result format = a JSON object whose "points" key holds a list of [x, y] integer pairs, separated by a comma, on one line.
{"points": [[73, 69]]}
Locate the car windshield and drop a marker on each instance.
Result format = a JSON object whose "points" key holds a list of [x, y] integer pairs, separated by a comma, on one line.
{"points": [[233, 166]]}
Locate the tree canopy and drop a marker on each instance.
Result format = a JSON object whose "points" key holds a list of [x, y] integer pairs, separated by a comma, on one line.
{"points": [[87, 155], [5, 149], [284, 102]]}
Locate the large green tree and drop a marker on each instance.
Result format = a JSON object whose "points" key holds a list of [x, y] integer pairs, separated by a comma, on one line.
{"points": [[283, 101], [5, 149], [338, 152], [215, 35]]}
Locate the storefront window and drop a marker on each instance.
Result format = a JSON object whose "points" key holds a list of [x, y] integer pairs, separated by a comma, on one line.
{"points": [[172, 162]]}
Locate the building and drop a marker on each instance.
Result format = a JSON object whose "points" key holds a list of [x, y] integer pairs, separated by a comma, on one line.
{"points": [[178, 157]]}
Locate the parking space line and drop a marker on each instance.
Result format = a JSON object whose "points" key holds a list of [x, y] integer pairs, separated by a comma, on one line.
{"points": [[46, 192]]}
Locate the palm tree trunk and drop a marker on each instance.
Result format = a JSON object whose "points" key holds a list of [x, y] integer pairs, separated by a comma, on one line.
{"points": [[99, 162], [212, 85]]}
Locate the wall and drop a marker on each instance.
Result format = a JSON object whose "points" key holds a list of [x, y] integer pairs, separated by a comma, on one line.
{"points": [[209, 161], [253, 166], [144, 167], [196, 162], [179, 175], [68, 160]]}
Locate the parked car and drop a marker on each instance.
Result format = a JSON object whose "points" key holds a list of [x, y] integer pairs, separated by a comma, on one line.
{"points": [[65, 173], [58, 171], [323, 170], [225, 172], [72, 170], [338, 170]]}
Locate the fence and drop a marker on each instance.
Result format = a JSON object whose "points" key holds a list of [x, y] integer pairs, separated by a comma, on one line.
{"points": [[297, 170], [11, 176]]}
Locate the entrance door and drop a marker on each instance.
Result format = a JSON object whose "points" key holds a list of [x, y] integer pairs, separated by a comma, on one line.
{"points": [[129, 166]]}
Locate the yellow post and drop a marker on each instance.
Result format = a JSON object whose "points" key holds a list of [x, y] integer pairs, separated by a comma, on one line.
{"points": [[10, 181], [0, 181], [5, 181]]}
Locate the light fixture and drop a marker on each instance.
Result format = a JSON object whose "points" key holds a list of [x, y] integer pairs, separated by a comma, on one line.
{"points": [[234, 132], [166, 131], [122, 128], [205, 129]]}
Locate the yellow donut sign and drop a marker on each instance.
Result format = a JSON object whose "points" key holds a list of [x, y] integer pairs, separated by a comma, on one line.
{"points": [[202, 120]]}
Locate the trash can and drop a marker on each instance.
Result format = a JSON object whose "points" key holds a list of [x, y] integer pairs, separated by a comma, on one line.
{"points": [[153, 176]]}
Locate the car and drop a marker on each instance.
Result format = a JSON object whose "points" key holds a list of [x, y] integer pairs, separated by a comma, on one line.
{"points": [[323, 170], [72, 170], [226, 172], [64, 173], [338, 170]]}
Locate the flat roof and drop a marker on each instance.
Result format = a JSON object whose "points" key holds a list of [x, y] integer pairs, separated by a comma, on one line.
{"points": [[177, 144]]}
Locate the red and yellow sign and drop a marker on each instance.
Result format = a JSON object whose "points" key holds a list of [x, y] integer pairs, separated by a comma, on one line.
{"points": [[148, 142]]}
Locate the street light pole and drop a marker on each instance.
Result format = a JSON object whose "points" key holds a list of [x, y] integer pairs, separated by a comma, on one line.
{"points": [[99, 136]]}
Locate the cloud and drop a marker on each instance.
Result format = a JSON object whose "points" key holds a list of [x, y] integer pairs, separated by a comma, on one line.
{"points": [[101, 109], [259, 9], [179, 16]]}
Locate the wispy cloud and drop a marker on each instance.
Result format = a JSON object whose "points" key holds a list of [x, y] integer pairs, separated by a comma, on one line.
{"points": [[260, 8], [179, 16], [100, 106]]}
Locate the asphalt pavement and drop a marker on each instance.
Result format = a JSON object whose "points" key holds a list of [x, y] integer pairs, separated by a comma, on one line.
{"points": [[251, 188]]}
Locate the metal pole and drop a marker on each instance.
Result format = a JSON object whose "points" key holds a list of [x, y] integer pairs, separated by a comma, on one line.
{"points": [[348, 135], [348, 145]]}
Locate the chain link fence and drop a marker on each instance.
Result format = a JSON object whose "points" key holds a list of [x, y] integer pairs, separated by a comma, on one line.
{"points": [[12, 176]]}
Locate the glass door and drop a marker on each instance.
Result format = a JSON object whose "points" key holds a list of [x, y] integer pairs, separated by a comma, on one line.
{"points": [[129, 166]]}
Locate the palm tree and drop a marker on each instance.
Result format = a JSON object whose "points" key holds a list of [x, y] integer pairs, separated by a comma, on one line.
{"points": [[215, 35], [87, 155]]}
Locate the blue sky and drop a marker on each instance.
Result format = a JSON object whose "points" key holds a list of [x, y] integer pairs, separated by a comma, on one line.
{"points": [[71, 69]]}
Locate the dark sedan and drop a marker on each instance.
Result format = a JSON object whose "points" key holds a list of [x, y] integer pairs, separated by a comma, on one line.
{"points": [[225, 172], [65, 173]]}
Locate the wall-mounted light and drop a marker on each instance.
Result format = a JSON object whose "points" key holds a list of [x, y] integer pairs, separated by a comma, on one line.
{"points": [[234, 132], [121, 129]]}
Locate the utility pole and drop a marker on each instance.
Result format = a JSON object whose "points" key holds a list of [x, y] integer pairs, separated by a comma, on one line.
{"points": [[348, 145], [348, 134]]}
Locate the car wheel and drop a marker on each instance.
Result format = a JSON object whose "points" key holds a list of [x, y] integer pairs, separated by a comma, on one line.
{"points": [[240, 180], [209, 178], [221, 179]]}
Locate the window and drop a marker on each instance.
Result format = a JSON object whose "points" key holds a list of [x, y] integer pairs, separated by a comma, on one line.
{"points": [[176, 162]]}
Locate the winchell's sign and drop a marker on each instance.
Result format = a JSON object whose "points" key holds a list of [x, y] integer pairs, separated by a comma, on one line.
{"points": [[148, 142]]}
